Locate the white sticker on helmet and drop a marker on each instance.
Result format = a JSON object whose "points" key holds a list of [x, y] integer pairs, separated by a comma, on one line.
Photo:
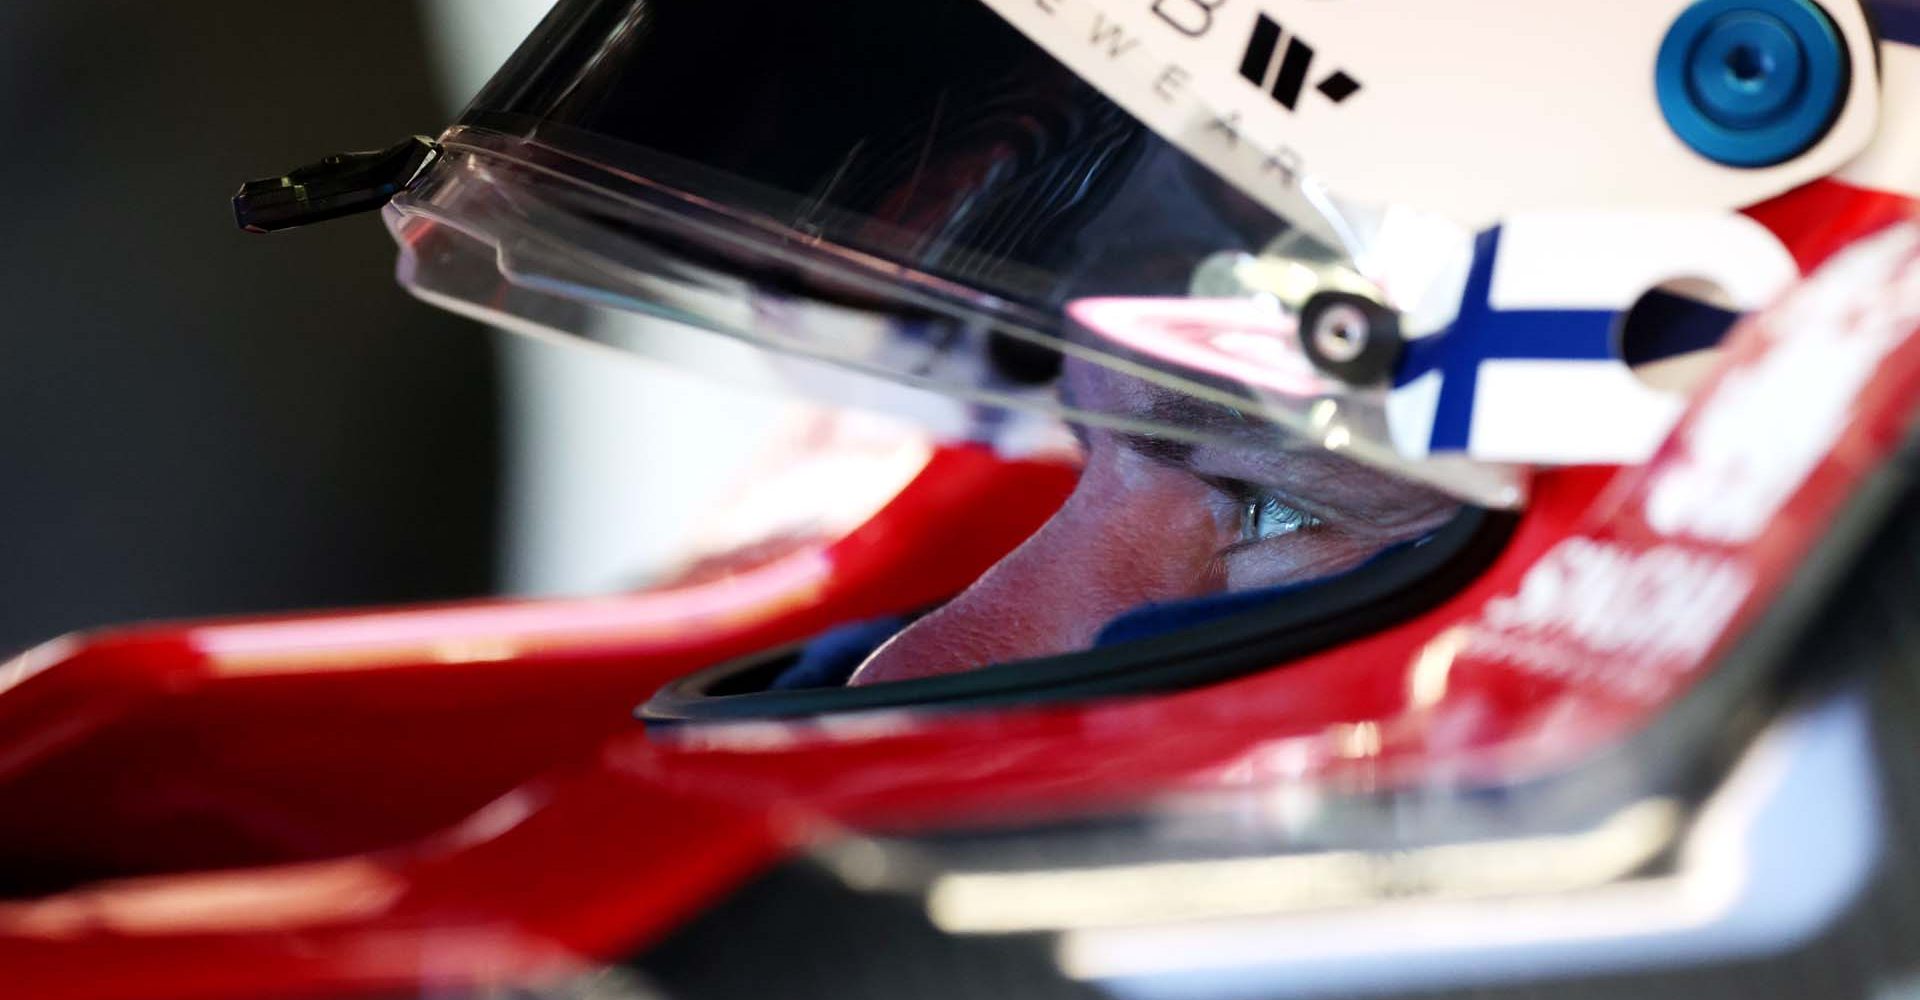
{"points": [[1552, 405], [1592, 260]]}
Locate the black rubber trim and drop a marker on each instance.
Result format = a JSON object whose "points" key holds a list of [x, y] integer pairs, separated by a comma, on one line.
{"points": [[1392, 589]]}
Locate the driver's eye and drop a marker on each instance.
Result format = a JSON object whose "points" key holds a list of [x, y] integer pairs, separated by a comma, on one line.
{"points": [[1263, 517]]}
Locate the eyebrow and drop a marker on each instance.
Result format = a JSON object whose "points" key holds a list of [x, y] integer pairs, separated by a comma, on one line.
{"points": [[1171, 408], [1145, 401], [1231, 442], [1178, 409]]}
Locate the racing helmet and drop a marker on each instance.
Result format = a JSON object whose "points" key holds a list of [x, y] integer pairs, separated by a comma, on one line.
{"points": [[1418, 266]]}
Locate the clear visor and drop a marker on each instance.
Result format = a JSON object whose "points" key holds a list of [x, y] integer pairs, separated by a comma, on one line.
{"points": [[1188, 319], [971, 219]]}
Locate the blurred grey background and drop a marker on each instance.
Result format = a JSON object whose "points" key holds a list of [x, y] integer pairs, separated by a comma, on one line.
{"points": [[194, 421]]}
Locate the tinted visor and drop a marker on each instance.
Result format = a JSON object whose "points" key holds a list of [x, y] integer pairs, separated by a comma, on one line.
{"points": [[930, 133], [911, 191]]}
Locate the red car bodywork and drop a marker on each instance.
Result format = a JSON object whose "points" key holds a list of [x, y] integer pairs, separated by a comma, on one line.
{"points": [[348, 803]]}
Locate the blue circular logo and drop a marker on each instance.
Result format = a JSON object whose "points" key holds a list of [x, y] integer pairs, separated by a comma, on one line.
{"points": [[1752, 83]]}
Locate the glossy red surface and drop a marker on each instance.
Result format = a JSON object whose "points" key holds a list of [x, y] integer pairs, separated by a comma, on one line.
{"points": [[442, 796], [253, 742]]}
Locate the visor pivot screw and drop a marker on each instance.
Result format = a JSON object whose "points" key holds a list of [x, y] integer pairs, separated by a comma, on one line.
{"points": [[1752, 83], [1350, 337]]}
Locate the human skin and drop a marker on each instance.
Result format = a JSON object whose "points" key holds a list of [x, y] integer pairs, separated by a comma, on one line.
{"points": [[1153, 521]]}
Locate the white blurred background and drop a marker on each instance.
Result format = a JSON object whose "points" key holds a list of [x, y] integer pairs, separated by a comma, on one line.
{"points": [[608, 463]]}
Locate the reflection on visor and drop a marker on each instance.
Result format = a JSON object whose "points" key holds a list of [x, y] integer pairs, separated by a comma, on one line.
{"points": [[515, 226], [955, 217]]}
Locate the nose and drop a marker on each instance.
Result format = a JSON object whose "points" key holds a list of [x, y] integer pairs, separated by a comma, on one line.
{"points": [[1130, 533]]}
